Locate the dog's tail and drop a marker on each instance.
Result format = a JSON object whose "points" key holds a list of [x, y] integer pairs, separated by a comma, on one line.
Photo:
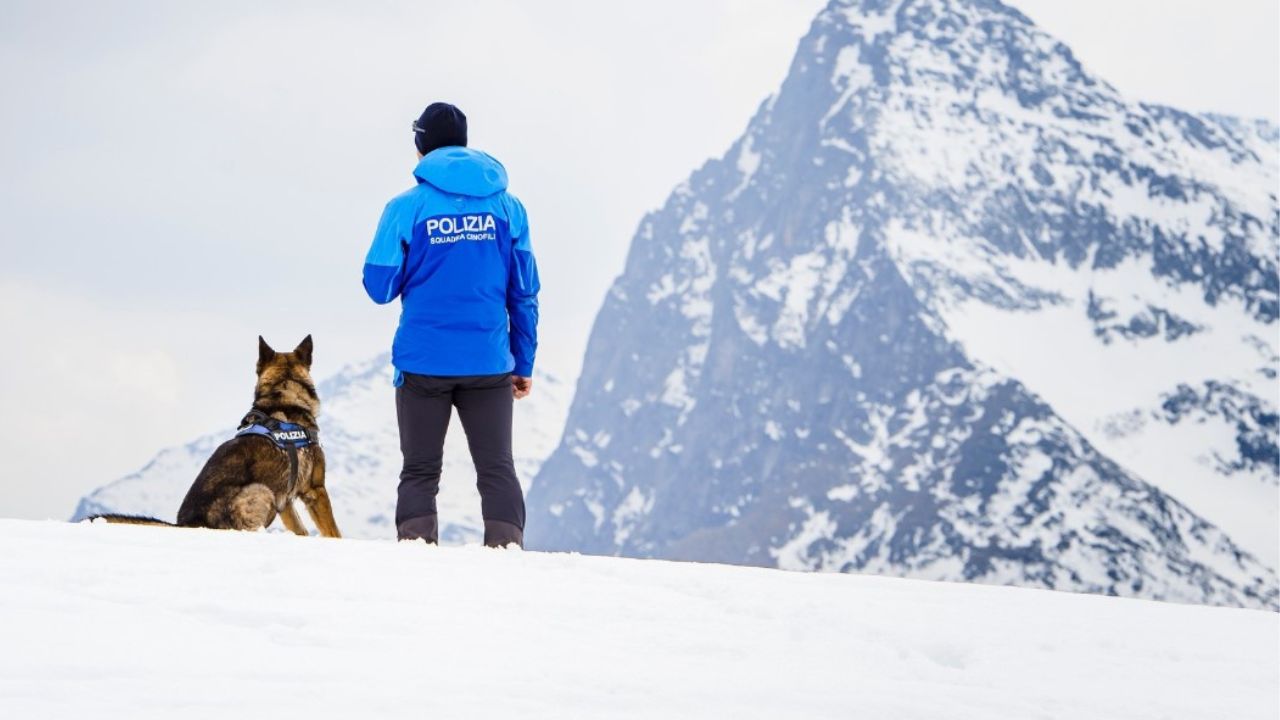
{"points": [[129, 519]]}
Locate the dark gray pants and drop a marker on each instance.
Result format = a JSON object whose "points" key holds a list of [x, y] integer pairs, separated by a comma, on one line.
{"points": [[424, 404]]}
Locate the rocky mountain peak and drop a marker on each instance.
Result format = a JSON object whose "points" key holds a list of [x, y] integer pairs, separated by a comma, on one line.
{"points": [[895, 329]]}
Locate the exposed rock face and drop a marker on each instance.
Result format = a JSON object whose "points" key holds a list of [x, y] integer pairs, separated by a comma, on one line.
{"points": [[951, 308]]}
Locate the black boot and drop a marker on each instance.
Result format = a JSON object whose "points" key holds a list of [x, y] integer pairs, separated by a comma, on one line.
{"points": [[501, 534], [424, 527]]}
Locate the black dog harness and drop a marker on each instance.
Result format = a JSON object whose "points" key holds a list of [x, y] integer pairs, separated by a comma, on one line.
{"points": [[287, 436]]}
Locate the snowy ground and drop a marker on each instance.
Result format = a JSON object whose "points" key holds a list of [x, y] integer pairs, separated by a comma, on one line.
{"points": [[112, 621]]}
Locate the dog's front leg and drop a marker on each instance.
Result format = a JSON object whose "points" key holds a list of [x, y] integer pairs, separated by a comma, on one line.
{"points": [[316, 498], [289, 516], [321, 511]]}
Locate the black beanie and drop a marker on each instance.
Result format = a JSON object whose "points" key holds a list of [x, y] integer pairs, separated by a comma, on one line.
{"points": [[440, 125]]}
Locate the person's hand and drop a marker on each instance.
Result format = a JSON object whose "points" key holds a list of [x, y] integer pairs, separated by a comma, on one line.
{"points": [[520, 386]]}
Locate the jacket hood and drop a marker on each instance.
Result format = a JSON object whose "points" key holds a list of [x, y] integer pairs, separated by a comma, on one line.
{"points": [[462, 171]]}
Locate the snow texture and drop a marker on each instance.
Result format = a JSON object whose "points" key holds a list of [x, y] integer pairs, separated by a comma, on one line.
{"points": [[109, 621]]}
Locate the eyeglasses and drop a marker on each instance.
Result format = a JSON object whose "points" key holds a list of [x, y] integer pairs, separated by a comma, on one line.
{"points": [[418, 129]]}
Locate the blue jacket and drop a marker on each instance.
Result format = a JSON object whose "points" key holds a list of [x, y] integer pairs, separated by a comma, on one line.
{"points": [[455, 250]]}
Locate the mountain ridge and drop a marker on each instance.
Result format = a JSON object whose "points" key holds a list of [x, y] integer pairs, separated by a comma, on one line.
{"points": [[929, 174]]}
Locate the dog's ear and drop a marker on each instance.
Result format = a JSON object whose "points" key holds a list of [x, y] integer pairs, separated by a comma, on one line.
{"points": [[303, 351], [265, 353]]}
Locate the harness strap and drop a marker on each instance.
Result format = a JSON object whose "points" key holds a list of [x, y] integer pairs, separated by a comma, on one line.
{"points": [[286, 436], [293, 471]]}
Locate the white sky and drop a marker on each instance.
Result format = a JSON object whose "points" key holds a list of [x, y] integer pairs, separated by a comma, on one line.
{"points": [[181, 177]]}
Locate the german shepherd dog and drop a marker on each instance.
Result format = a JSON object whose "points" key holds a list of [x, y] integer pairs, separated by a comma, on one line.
{"points": [[250, 479]]}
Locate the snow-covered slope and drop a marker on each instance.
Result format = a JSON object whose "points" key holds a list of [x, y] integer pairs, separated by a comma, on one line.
{"points": [[362, 451], [125, 622], [951, 308]]}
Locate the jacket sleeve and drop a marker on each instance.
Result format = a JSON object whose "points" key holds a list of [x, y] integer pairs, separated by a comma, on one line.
{"points": [[384, 264], [522, 294]]}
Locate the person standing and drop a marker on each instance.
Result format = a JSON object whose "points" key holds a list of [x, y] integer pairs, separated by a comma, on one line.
{"points": [[455, 249]]}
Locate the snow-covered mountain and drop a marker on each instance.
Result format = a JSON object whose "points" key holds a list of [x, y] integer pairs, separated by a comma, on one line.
{"points": [[951, 308], [362, 453]]}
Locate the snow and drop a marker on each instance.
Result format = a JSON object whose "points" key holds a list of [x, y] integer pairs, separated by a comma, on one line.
{"points": [[869, 25], [817, 526], [631, 509], [851, 76], [594, 507], [661, 290], [1119, 383], [847, 61], [748, 163], [773, 430], [793, 286], [696, 305], [675, 393], [843, 493], [750, 326], [129, 622], [694, 219], [587, 457]]}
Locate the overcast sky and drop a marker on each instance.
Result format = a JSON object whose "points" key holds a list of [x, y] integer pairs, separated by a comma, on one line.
{"points": [[179, 177]]}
